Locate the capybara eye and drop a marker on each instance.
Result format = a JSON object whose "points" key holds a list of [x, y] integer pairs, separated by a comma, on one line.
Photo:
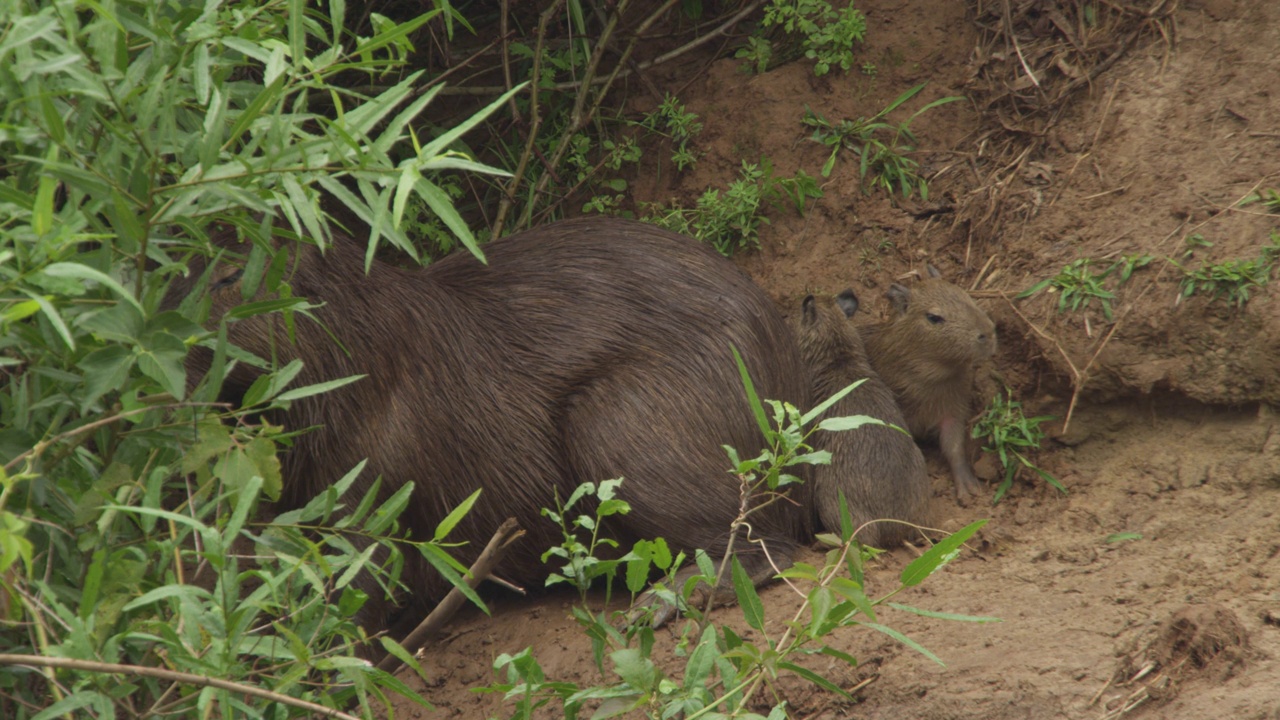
{"points": [[228, 280], [935, 319]]}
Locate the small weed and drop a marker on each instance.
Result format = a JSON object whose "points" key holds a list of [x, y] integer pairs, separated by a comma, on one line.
{"points": [[1231, 279], [1193, 242], [826, 35], [730, 221], [1270, 199], [869, 69], [673, 121], [1128, 263], [1077, 286], [758, 52], [724, 672], [1009, 433], [882, 147]]}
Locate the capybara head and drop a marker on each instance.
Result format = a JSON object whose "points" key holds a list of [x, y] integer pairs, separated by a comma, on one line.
{"points": [[829, 342], [939, 327]]}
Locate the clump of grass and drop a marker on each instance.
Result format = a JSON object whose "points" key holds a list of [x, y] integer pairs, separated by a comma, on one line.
{"points": [[1009, 433], [1078, 285], [1231, 279], [883, 147], [1269, 198]]}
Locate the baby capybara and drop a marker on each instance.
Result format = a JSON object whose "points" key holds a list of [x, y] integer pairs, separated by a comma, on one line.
{"points": [[879, 469]]}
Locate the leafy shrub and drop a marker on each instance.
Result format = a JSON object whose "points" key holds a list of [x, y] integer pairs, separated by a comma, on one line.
{"points": [[130, 132], [883, 148], [1010, 434]]}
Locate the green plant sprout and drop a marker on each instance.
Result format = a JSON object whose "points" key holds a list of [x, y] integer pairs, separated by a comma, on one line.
{"points": [[827, 35], [1231, 279], [1077, 286], [672, 120], [730, 220], [1269, 198], [882, 147], [1009, 433]]}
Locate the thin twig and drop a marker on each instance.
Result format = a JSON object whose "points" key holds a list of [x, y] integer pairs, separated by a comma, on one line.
{"points": [[170, 675], [43, 445], [508, 532]]}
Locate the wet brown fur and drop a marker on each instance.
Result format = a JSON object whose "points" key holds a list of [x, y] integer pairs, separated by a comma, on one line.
{"points": [[928, 353], [880, 470], [584, 350]]}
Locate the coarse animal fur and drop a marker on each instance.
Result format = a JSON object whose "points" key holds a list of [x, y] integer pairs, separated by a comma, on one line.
{"points": [[879, 469], [583, 350], [928, 353]]}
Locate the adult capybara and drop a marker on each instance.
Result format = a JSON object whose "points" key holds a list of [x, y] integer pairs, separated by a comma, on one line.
{"points": [[928, 354], [879, 469], [583, 350]]}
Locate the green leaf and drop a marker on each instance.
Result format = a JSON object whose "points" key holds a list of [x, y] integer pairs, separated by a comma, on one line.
{"points": [[752, 398], [822, 407], [814, 678], [447, 524], [106, 369], [752, 608], [74, 701], [945, 616], [54, 318], [1123, 537], [905, 641], [938, 555], [190, 592], [635, 669], [850, 422], [701, 660], [162, 360], [318, 388], [84, 272]]}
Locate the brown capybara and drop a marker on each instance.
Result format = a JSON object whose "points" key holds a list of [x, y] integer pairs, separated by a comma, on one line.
{"points": [[928, 353], [583, 350], [879, 469]]}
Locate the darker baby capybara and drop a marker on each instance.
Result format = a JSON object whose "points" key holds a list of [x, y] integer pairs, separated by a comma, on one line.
{"points": [[928, 353], [583, 350], [879, 469]]}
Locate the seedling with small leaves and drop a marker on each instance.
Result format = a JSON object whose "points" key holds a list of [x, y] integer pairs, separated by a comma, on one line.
{"points": [[883, 162], [1270, 199], [1232, 279], [1009, 433], [1077, 285]]}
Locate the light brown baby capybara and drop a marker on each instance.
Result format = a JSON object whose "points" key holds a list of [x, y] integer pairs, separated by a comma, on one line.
{"points": [[928, 353]]}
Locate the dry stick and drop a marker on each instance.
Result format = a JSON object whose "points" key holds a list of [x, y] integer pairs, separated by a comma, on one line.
{"points": [[578, 120], [1008, 28], [508, 198], [661, 59], [170, 675], [508, 532], [506, 61]]}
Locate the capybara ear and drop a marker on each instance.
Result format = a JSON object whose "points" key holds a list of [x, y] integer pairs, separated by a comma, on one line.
{"points": [[848, 302], [933, 271], [808, 310], [899, 297]]}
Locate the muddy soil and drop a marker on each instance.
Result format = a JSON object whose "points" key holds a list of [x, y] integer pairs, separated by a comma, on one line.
{"points": [[1172, 444]]}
